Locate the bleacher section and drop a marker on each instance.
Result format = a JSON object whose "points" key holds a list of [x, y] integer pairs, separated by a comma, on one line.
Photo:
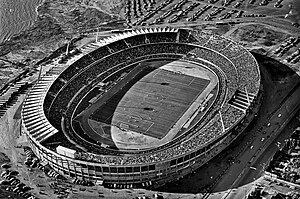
{"points": [[186, 36], [233, 65], [225, 65], [162, 37], [244, 64], [33, 114], [202, 37], [232, 50], [216, 43], [231, 115], [105, 67]]}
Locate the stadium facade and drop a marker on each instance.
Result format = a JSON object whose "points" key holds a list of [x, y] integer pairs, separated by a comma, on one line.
{"points": [[52, 105]]}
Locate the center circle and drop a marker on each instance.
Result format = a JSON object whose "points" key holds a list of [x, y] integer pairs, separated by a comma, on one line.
{"points": [[153, 98]]}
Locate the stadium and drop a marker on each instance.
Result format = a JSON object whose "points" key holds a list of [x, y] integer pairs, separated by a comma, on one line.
{"points": [[143, 107]]}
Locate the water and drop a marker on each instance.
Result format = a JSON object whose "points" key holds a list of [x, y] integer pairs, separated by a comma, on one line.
{"points": [[15, 16]]}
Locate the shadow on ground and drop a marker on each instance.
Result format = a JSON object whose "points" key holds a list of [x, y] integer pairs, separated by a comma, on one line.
{"points": [[278, 80]]}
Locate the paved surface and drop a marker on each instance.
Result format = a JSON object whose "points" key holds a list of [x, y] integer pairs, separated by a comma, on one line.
{"points": [[211, 175], [250, 164], [261, 151]]}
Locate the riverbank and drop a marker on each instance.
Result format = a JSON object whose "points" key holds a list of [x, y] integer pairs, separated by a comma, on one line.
{"points": [[57, 22]]}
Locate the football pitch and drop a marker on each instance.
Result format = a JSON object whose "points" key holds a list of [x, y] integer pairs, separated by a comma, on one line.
{"points": [[153, 104]]}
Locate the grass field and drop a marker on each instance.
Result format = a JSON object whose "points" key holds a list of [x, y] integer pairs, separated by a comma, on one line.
{"points": [[149, 107], [152, 105]]}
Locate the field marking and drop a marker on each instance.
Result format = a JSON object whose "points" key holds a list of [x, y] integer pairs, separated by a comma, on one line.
{"points": [[138, 117], [141, 121], [156, 72], [95, 130], [171, 74], [148, 128], [157, 99], [108, 118], [191, 82], [198, 110], [135, 126], [188, 68], [125, 109], [178, 122], [153, 101], [125, 123], [186, 114], [146, 121]]}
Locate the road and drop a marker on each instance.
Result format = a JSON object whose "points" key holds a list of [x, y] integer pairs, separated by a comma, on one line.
{"points": [[250, 164]]}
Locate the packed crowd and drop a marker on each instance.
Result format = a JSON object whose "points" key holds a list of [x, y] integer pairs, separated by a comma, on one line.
{"points": [[80, 95], [242, 60], [230, 115], [210, 132], [76, 67], [224, 64], [59, 83], [162, 37], [76, 100], [232, 50], [217, 42], [206, 134], [186, 36], [103, 67], [47, 102], [98, 54], [136, 40], [202, 37], [248, 74], [118, 45], [109, 63]]}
